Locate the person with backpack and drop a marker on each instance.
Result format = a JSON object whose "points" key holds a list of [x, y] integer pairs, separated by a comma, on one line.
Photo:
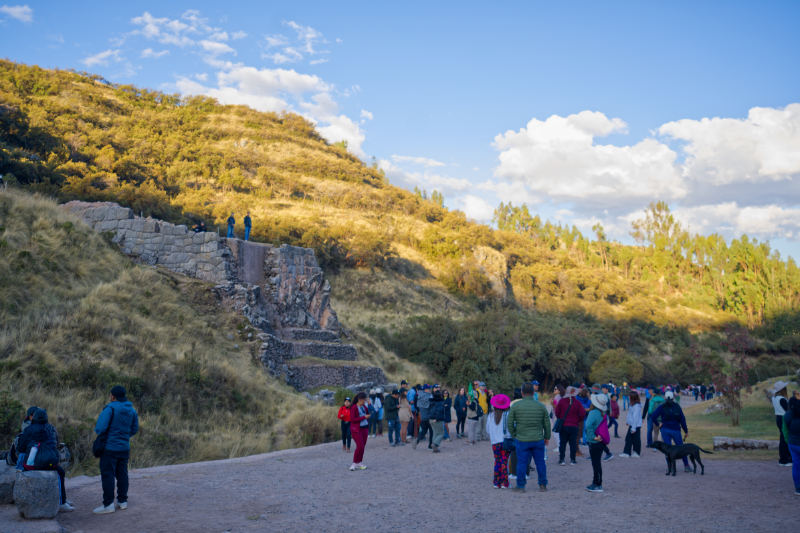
{"points": [[571, 413], [39, 444], [669, 417], [118, 421], [424, 408], [436, 421], [344, 418], [655, 401], [597, 438], [497, 428], [474, 414]]}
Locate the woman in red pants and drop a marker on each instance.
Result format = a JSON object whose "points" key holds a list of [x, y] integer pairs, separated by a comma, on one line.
{"points": [[359, 428]]}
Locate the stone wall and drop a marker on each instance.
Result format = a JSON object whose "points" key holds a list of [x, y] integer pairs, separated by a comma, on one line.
{"points": [[281, 290]]}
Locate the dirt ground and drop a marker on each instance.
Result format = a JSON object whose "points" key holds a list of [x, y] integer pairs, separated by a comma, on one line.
{"points": [[311, 489]]}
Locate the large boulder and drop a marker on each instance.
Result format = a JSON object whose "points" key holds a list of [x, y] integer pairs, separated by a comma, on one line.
{"points": [[8, 475], [36, 493]]}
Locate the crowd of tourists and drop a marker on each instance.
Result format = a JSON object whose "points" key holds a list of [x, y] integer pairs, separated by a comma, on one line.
{"points": [[520, 428]]}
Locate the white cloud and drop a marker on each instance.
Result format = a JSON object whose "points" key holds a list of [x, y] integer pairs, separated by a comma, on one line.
{"points": [[430, 181], [731, 219], [302, 46], [150, 53], [424, 161], [21, 13], [219, 36], [474, 207], [763, 147], [216, 48], [103, 58], [366, 115], [238, 35], [558, 158], [170, 31]]}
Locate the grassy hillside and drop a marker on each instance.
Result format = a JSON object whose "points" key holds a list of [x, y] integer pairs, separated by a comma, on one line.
{"points": [[77, 317], [528, 297]]}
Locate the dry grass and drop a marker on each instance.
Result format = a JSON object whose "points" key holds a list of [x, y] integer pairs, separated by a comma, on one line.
{"points": [[78, 317]]}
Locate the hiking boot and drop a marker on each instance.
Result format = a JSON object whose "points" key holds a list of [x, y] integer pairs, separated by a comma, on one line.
{"points": [[608, 457], [518, 489], [542, 488], [122, 505], [104, 509], [65, 507]]}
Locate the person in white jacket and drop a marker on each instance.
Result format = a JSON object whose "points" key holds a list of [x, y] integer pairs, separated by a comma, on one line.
{"points": [[633, 439], [497, 429]]}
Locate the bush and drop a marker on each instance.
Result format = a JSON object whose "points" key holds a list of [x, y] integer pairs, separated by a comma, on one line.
{"points": [[11, 412], [617, 366]]}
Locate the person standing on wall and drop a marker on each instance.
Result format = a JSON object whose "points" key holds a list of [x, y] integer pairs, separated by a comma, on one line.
{"points": [[248, 225], [121, 421], [231, 224]]}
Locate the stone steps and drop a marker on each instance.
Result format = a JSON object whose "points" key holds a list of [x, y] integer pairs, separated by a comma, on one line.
{"points": [[312, 376], [324, 350], [303, 334]]}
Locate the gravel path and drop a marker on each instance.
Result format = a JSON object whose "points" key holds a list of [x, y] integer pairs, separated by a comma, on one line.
{"points": [[310, 489]]}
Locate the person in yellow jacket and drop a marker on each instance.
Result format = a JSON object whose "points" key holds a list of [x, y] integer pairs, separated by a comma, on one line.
{"points": [[483, 401]]}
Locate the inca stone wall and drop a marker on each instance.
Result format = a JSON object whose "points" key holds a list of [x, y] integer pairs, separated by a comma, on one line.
{"points": [[280, 289]]}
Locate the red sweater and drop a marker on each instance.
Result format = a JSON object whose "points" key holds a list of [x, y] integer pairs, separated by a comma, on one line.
{"points": [[355, 418], [576, 414], [614, 408], [344, 414]]}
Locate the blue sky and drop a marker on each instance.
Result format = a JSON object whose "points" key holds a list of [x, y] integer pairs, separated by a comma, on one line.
{"points": [[586, 111]]}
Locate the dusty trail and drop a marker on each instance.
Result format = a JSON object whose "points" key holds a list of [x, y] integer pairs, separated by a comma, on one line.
{"points": [[310, 489]]}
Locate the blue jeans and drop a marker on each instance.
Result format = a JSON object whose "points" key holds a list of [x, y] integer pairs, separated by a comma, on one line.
{"points": [[394, 429], [649, 432], [247, 233], [625, 401], [794, 449], [672, 436], [526, 449], [230, 232]]}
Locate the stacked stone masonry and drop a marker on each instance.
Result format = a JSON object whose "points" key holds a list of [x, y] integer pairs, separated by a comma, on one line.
{"points": [[280, 289]]}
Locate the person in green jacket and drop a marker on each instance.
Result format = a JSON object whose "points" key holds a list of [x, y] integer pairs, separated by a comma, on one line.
{"points": [[529, 424], [656, 399]]}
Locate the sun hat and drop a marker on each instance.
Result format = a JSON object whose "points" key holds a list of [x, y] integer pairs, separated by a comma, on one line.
{"points": [[779, 386], [596, 388], [600, 401], [571, 392], [500, 401]]}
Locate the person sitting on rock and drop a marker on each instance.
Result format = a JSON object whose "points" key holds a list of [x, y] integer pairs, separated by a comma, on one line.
{"points": [[43, 437]]}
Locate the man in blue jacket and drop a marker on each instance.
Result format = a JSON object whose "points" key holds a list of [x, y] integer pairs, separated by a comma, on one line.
{"points": [[119, 418]]}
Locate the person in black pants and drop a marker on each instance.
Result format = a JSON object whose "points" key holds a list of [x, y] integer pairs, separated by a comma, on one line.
{"points": [[460, 405], [119, 421], [572, 412], [633, 438]]}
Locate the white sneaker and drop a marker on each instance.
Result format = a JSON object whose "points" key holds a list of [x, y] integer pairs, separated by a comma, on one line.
{"points": [[624, 455], [66, 507], [512, 476], [104, 509], [353, 467], [634, 454], [122, 505], [362, 466]]}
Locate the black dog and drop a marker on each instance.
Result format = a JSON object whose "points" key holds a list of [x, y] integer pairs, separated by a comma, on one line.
{"points": [[679, 451]]}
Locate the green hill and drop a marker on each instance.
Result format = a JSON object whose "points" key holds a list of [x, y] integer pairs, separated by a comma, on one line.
{"points": [[76, 317], [412, 280]]}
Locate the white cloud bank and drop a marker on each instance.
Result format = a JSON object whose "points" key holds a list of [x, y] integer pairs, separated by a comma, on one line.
{"points": [[21, 13], [750, 166]]}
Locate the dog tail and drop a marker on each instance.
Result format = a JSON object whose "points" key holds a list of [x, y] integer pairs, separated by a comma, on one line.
{"points": [[706, 451]]}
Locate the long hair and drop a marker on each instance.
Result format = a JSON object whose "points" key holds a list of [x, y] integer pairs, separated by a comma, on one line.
{"points": [[498, 415], [634, 397]]}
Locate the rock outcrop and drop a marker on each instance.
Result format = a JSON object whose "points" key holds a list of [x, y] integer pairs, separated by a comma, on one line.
{"points": [[8, 475], [280, 289], [36, 493]]}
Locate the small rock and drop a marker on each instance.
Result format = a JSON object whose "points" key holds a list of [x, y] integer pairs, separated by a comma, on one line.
{"points": [[8, 475], [36, 493]]}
